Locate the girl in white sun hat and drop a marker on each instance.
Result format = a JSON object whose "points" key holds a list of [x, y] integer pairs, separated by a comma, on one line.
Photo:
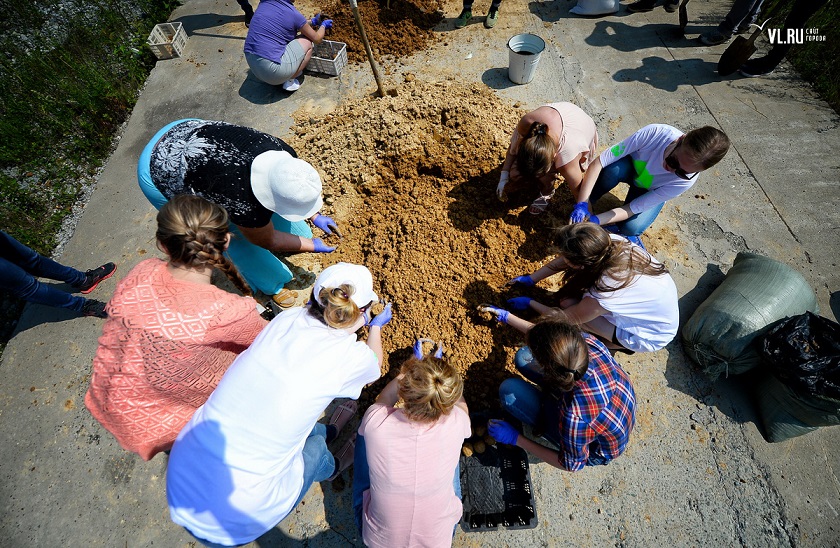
{"points": [[267, 191], [250, 453]]}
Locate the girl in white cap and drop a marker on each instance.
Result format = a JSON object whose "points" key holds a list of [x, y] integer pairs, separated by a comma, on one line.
{"points": [[267, 191], [249, 454]]}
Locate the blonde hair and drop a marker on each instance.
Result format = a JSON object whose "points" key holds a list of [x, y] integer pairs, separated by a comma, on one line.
{"points": [[535, 157], [194, 233], [339, 310], [706, 145], [429, 388], [560, 350], [590, 248]]}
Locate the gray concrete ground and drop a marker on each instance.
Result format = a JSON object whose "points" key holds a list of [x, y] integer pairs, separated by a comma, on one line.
{"points": [[697, 471]]}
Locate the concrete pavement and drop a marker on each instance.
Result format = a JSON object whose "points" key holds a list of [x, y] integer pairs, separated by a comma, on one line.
{"points": [[697, 471]]}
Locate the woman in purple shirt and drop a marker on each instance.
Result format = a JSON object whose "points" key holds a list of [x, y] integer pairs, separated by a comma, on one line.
{"points": [[273, 49]]}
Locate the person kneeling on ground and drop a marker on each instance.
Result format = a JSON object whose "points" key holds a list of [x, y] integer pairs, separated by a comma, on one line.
{"points": [[249, 454], [170, 334], [20, 267], [555, 139], [406, 480], [580, 396], [658, 162], [280, 41], [620, 293], [266, 189]]}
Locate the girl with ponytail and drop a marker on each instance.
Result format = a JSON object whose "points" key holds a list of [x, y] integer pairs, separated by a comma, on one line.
{"points": [[615, 289], [555, 139], [170, 334], [406, 481]]}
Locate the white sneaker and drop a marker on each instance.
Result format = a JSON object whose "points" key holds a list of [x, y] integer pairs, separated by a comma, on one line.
{"points": [[291, 85]]}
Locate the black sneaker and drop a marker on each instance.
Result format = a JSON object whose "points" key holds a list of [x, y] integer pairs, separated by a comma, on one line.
{"points": [[671, 7], [756, 67], [641, 6], [94, 308], [248, 16], [93, 277]]}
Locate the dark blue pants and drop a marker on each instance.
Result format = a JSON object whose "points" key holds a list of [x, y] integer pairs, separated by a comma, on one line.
{"points": [[19, 267]]}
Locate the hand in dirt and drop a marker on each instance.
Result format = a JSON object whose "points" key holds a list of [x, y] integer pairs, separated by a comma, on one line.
{"points": [[502, 432], [321, 247], [327, 24], [315, 21], [500, 189], [580, 212], [525, 280], [520, 303], [500, 313], [383, 317], [325, 224]]}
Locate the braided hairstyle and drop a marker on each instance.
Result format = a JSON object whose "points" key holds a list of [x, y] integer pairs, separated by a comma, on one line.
{"points": [[429, 388], [603, 263], [535, 157], [193, 233], [339, 310], [560, 350]]}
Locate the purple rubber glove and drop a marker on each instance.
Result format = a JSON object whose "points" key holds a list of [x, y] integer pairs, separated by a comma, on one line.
{"points": [[382, 318], [315, 21], [500, 313], [325, 223], [321, 247], [327, 24], [525, 280], [580, 212], [520, 303], [502, 432]]}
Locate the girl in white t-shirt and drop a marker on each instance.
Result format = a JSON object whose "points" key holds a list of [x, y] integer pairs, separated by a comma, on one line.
{"points": [[658, 162], [406, 486], [619, 292]]}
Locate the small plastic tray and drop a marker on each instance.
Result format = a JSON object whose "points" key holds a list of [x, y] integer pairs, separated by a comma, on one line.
{"points": [[496, 490], [167, 40]]}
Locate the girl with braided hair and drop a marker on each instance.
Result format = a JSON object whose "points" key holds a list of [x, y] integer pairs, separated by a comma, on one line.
{"points": [[170, 333], [555, 139], [614, 290]]}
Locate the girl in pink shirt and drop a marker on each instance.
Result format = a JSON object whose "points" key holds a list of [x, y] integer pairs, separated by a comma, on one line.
{"points": [[406, 458]]}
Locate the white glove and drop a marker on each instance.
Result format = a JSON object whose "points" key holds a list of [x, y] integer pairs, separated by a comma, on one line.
{"points": [[500, 189]]}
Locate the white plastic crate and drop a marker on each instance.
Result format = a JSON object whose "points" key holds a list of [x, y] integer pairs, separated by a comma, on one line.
{"points": [[167, 40], [328, 57]]}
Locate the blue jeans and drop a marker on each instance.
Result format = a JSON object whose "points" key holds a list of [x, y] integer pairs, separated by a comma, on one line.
{"points": [[529, 404], [361, 481], [19, 266], [622, 171], [259, 266]]}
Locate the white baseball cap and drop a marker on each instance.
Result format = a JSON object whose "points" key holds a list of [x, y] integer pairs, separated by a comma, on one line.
{"points": [[355, 275], [286, 185]]}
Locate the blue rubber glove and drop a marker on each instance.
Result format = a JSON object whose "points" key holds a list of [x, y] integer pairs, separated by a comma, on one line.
{"points": [[315, 21], [327, 24], [439, 352], [580, 212], [325, 223], [520, 303], [525, 280], [500, 313], [321, 247], [383, 317], [418, 348], [594, 219], [502, 432]]}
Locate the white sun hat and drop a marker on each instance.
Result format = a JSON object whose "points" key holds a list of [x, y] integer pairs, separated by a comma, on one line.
{"points": [[286, 185], [355, 275]]}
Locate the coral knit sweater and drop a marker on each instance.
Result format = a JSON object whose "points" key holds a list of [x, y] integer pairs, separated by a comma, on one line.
{"points": [[163, 349]]}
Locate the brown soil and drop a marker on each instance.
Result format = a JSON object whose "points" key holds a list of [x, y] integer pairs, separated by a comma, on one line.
{"points": [[401, 29], [411, 180]]}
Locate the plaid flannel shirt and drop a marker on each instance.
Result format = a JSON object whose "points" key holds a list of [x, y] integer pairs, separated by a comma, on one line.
{"points": [[598, 414]]}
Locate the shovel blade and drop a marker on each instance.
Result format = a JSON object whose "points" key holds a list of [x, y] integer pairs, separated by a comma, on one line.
{"points": [[735, 55]]}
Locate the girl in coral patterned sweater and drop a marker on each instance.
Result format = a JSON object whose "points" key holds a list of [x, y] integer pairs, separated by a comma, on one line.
{"points": [[170, 334]]}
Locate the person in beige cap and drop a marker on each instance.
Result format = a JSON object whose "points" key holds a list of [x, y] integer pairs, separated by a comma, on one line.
{"points": [[267, 191], [248, 456]]}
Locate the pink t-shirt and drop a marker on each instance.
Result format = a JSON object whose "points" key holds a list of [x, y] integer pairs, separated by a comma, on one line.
{"points": [[411, 500]]}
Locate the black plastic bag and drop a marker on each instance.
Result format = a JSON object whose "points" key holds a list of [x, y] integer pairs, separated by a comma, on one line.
{"points": [[804, 353]]}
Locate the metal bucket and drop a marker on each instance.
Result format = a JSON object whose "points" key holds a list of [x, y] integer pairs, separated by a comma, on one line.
{"points": [[524, 51]]}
